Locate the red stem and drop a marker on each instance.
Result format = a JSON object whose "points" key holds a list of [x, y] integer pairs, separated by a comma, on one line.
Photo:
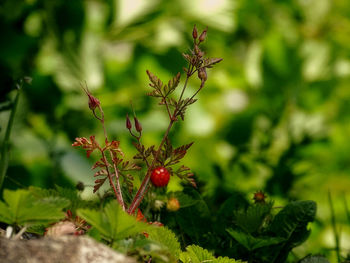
{"points": [[144, 185], [120, 200], [145, 182], [117, 191]]}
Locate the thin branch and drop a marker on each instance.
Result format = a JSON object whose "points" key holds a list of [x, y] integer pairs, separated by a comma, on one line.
{"points": [[117, 191], [120, 200]]}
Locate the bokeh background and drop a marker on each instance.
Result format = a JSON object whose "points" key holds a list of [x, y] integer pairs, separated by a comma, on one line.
{"points": [[274, 115]]}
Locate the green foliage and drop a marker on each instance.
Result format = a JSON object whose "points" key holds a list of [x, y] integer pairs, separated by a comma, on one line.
{"points": [[193, 222], [293, 219], [196, 254], [253, 218], [271, 240], [112, 223], [68, 193], [166, 239], [20, 207], [314, 259], [251, 243]]}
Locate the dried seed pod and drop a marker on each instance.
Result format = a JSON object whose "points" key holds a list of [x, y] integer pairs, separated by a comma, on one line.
{"points": [[128, 122], [138, 126], [202, 74], [203, 35], [194, 32]]}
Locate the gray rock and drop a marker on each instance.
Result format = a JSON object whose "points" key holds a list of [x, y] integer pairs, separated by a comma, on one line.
{"points": [[65, 249]]}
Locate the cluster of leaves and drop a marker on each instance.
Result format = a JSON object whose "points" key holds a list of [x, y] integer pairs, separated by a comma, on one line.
{"points": [[255, 232], [22, 209], [250, 232]]}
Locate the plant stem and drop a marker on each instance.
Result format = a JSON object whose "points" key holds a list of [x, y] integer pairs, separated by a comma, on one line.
{"points": [[347, 211], [6, 144], [145, 182], [144, 185], [189, 74], [142, 153], [120, 200], [117, 190], [334, 225]]}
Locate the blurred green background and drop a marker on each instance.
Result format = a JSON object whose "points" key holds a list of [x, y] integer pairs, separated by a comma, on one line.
{"points": [[274, 115]]}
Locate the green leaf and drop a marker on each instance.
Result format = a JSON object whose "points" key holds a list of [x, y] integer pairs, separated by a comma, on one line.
{"points": [[291, 223], [292, 217], [21, 207], [194, 221], [251, 243], [112, 222], [253, 218], [314, 259], [67, 193], [196, 254], [184, 199], [166, 239]]}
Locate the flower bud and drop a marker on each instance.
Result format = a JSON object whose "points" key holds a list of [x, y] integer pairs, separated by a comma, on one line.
{"points": [[194, 32], [128, 122], [203, 35], [138, 126], [93, 102]]}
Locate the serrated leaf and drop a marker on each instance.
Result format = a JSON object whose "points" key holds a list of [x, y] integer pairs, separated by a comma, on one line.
{"points": [[251, 220], [100, 172], [112, 222], [166, 239], [251, 243], [294, 215], [22, 208], [209, 62], [197, 254], [314, 259], [67, 193]]}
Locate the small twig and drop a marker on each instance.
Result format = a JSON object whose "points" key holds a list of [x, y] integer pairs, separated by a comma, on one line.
{"points": [[117, 190], [119, 198], [20, 233]]}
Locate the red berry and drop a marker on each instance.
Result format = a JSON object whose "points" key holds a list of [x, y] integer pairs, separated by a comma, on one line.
{"points": [[259, 197], [160, 177]]}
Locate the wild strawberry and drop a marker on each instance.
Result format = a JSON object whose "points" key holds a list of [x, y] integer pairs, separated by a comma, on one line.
{"points": [[173, 204], [259, 197], [160, 177]]}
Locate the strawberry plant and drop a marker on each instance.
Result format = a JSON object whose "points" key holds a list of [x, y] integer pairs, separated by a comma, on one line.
{"points": [[145, 220], [160, 161]]}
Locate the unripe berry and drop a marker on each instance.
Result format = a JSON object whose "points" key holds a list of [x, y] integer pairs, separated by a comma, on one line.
{"points": [[173, 204]]}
